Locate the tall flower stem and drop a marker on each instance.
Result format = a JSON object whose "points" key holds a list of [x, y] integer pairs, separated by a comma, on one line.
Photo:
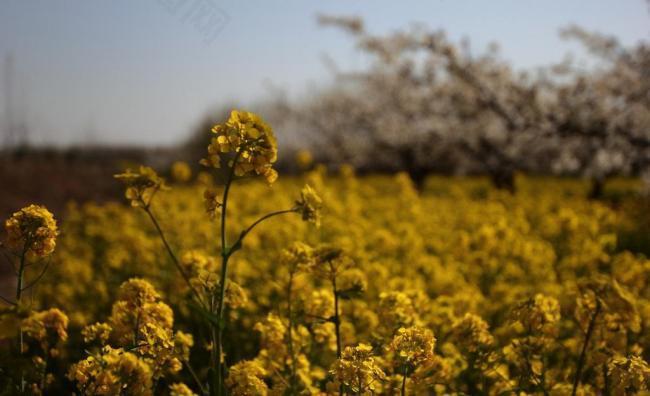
{"points": [[337, 322], [404, 380], [171, 254], [237, 245], [292, 355], [21, 274], [217, 334], [583, 353], [19, 292], [217, 387], [337, 318]]}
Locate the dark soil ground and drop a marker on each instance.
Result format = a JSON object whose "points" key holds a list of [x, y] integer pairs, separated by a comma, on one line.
{"points": [[55, 178]]}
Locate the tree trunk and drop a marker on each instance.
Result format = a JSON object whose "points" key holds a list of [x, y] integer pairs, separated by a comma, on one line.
{"points": [[597, 188], [418, 176], [504, 179], [417, 173]]}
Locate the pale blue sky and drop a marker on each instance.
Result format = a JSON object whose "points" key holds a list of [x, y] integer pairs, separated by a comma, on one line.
{"points": [[135, 71]]}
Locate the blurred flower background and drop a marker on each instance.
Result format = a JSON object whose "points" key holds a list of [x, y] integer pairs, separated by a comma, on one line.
{"points": [[452, 88]]}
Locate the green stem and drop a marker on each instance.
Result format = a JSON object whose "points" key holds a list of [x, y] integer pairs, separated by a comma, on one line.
{"points": [[219, 331], [606, 381], [21, 273], [172, 256], [292, 377], [583, 353], [226, 252], [360, 378], [237, 245], [213, 380], [136, 330], [19, 292], [195, 376], [404, 380], [217, 336], [337, 324], [337, 319]]}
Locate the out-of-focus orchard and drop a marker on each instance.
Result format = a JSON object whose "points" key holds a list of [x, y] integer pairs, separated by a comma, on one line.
{"points": [[362, 271], [429, 104]]}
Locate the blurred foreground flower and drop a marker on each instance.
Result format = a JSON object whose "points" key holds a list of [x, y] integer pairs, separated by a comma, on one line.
{"points": [[141, 186], [309, 205]]}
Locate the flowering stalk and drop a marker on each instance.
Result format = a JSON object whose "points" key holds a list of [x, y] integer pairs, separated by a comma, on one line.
{"points": [[254, 149], [412, 347], [31, 231], [357, 370], [217, 334], [142, 187], [226, 253], [254, 146]]}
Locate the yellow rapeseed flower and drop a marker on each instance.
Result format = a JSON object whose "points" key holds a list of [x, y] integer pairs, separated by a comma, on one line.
{"points": [[304, 159], [113, 372], [472, 333], [252, 142], [47, 327], [32, 230], [309, 205], [628, 375], [357, 369], [179, 389], [246, 378], [181, 172], [142, 185], [413, 345]]}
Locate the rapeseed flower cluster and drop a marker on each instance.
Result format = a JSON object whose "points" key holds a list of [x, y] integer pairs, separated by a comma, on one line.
{"points": [[112, 372], [357, 370], [309, 205], [32, 230], [413, 345], [48, 328], [181, 172], [137, 344], [141, 185], [252, 142]]}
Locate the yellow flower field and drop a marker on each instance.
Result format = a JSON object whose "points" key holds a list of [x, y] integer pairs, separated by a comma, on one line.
{"points": [[327, 283]]}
